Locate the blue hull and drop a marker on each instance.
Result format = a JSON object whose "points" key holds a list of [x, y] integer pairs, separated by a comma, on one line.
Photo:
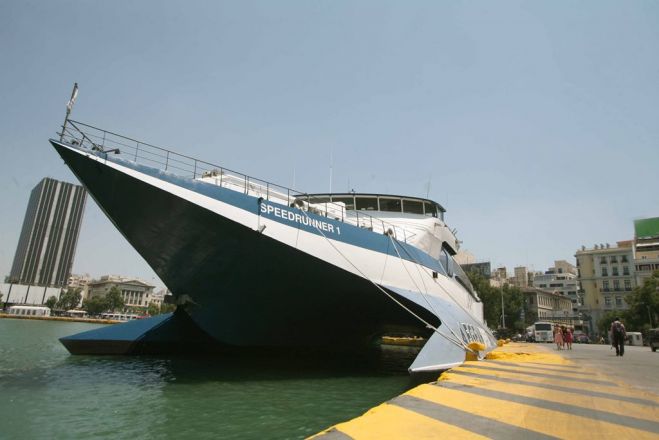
{"points": [[246, 289]]}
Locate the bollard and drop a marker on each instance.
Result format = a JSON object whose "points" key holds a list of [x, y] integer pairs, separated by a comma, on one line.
{"points": [[473, 355]]}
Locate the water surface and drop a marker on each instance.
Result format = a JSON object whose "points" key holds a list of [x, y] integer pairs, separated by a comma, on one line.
{"points": [[47, 393]]}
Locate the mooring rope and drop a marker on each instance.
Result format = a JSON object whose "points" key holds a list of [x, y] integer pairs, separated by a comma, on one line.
{"points": [[426, 290], [460, 343], [440, 286]]}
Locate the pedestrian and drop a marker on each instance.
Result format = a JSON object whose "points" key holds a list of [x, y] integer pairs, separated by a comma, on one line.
{"points": [[558, 338], [618, 334], [568, 338]]}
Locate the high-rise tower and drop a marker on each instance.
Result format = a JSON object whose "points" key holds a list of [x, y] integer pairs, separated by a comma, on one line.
{"points": [[47, 244]]}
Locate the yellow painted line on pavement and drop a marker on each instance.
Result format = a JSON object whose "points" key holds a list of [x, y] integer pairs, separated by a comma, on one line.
{"points": [[536, 355], [541, 374], [559, 424], [611, 388], [394, 422], [540, 368], [520, 392], [578, 397]]}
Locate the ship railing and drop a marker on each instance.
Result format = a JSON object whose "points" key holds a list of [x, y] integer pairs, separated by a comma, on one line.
{"points": [[103, 142]]}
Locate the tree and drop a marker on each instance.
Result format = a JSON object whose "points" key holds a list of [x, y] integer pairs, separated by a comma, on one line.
{"points": [[513, 301], [491, 300], [604, 323], [69, 299], [153, 309], [51, 302], [114, 300], [95, 305], [643, 305], [167, 308]]}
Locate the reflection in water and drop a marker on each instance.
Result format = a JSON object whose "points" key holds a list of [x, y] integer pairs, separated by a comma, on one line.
{"points": [[47, 393]]}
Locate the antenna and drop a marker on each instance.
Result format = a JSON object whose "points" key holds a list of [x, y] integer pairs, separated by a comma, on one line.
{"points": [[69, 107], [330, 176], [428, 186]]}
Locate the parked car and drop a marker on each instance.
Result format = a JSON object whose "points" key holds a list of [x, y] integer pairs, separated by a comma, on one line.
{"points": [[653, 338], [582, 339]]}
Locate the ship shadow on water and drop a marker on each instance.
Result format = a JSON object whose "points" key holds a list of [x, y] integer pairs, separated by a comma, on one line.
{"points": [[254, 365]]}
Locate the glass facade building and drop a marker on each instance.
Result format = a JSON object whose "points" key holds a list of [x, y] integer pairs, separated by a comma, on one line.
{"points": [[48, 239]]}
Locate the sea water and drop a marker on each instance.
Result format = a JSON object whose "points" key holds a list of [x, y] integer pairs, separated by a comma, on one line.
{"points": [[47, 393]]}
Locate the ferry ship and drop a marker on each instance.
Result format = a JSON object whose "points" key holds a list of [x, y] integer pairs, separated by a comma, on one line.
{"points": [[255, 264]]}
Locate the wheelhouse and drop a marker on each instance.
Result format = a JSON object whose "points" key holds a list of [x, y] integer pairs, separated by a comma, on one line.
{"points": [[379, 203]]}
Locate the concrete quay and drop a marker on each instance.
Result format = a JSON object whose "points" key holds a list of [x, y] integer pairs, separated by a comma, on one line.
{"points": [[525, 391], [60, 318]]}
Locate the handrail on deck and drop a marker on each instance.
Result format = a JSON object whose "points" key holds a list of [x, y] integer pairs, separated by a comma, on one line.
{"points": [[103, 141]]}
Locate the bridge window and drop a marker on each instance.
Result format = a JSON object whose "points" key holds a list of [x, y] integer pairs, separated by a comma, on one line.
{"points": [[429, 209], [349, 202], [412, 206], [390, 205], [317, 199], [445, 261], [366, 203]]}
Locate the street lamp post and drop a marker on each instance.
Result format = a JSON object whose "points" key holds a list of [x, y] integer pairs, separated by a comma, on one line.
{"points": [[503, 313], [649, 316]]}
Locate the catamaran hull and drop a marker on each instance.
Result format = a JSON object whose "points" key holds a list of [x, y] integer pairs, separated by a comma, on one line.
{"points": [[251, 273], [242, 287]]}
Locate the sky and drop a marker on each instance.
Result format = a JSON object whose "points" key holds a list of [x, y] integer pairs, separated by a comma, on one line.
{"points": [[535, 124]]}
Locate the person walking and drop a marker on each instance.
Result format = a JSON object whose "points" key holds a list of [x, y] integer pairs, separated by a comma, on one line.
{"points": [[558, 338], [618, 334], [569, 337]]}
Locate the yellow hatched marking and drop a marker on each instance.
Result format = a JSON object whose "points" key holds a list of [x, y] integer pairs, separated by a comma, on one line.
{"points": [[619, 407], [619, 389], [537, 368], [553, 423], [517, 357], [393, 422]]}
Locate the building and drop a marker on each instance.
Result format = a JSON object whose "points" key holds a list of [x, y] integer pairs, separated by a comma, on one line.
{"points": [[562, 278], [159, 297], [464, 257], [135, 292], [48, 239], [646, 248], [80, 282], [544, 305], [499, 277], [606, 277], [27, 294], [483, 269], [521, 278]]}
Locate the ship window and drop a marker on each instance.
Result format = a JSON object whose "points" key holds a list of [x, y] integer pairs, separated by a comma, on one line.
{"points": [[366, 203], [412, 206], [390, 205], [445, 260], [430, 210], [349, 202], [318, 199]]}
